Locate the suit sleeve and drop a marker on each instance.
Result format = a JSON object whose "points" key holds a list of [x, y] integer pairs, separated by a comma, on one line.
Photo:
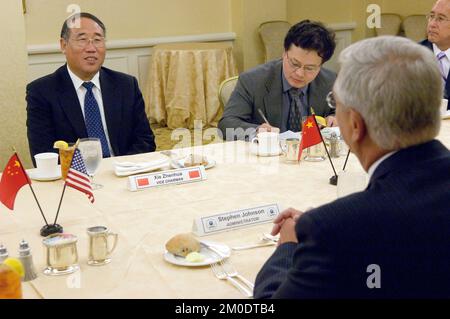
{"points": [[238, 112], [40, 128], [305, 273], [143, 138]]}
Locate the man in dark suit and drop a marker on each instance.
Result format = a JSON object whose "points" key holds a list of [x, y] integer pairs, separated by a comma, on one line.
{"points": [[284, 90], [83, 99], [392, 239], [438, 40]]}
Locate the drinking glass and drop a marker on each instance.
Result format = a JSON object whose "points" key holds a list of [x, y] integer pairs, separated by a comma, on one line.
{"points": [[65, 157], [10, 283], [91, 151]]}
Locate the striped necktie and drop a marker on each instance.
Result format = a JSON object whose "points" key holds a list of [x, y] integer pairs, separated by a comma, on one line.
{"points": [[93, 119], [440, 57]]}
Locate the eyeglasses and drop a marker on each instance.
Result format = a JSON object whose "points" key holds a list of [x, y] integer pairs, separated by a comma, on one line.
{"points": [[437, 18], [331, 100], [98, 42], [307, 68]]}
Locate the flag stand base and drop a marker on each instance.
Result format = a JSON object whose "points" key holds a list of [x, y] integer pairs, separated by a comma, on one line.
{"points": [[51, 229], [334, 180]]}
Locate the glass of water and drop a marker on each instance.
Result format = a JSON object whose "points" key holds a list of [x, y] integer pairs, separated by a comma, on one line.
{"points": [[91, 151]]}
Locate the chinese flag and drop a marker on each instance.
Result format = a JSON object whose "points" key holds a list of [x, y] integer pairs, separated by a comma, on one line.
{"points": [[310, 134], [13, 178]]}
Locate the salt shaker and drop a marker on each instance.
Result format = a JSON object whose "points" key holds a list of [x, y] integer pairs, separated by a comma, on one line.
{"points": [[27, 261], [3, 253]]}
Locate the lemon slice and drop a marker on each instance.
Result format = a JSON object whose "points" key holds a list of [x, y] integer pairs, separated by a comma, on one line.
{"points": [[320, 120], [15, 265], [61, 145]]}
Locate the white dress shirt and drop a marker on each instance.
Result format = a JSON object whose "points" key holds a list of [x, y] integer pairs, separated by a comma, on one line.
{"points": [[97, 91], [377, 163]]}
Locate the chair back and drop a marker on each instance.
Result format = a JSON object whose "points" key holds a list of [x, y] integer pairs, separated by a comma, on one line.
{"points": [[226, 88], [415, 27], [390, 24], [272, 34]]}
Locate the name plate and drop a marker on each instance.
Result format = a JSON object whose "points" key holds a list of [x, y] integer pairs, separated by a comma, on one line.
{"points": [[177, 176], [236, 219]]}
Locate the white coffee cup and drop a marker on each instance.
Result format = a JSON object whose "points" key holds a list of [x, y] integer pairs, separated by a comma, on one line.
{"points": [[350, 182], [444, 105], [268, 143], [47, 164]]}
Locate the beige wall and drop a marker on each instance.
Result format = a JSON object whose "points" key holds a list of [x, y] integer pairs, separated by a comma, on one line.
{"points": [[343, 11], [131, 18], [247, 15], [13, 63]]}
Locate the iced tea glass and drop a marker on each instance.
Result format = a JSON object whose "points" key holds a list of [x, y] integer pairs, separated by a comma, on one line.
{"points": [[10, 283], [65, 157]]}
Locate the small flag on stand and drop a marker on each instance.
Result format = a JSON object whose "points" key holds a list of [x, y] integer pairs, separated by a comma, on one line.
{"points": [[13, 178], [310, 134], [78, 178]]}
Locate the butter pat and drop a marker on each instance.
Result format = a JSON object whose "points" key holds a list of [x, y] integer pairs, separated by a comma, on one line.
{"points": [[195, 257]]}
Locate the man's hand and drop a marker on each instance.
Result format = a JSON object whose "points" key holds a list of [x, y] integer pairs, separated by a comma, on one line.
{"points": [[331, 121], [267, 128], [289, 213]]}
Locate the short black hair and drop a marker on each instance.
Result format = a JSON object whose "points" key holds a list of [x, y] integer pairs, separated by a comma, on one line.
{"points": [[312, 35], [65, 30]]}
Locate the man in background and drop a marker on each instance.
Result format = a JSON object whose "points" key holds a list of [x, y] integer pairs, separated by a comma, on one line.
{"points": [[83, 99], [438, 32], [284, 90], [390, 240]]}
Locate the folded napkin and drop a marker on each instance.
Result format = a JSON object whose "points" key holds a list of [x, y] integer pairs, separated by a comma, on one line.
{"points": [[131, 168]]}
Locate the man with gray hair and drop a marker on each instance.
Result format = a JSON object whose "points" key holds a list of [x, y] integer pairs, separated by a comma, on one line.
{"points": [[392, 239]]}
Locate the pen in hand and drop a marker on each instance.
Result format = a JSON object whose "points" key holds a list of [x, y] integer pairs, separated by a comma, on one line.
{"points": [[264, 118]]}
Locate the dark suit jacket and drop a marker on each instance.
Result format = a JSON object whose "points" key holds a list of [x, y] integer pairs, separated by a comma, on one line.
{"points": [[54, 113], [429, 45], [262, 88], [401, 223]]}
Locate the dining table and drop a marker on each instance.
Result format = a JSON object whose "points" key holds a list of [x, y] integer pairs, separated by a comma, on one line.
{"points": [[145, 220]]}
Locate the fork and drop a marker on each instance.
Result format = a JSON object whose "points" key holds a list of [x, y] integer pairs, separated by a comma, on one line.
{"points": [[221, 274], [231, 271]]}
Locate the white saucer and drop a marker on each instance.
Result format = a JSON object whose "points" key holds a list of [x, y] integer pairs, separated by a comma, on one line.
{"points": [[35, 175], [181, 163], [254, 150]]}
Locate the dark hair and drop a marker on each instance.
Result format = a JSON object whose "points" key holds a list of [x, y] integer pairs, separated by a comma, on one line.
{"points": [[311, 35], [65, 30]]}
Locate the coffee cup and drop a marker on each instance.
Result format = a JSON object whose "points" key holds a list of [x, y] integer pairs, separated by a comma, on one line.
{"points": [[100, 248], [444, 105], [268, 143], [47, 164]]}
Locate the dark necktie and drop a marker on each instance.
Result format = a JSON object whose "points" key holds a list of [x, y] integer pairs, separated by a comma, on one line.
{"points": [[295, 116], [93, 119]]}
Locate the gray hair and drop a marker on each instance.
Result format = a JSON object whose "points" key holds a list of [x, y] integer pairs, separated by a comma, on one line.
{"points": [[396, 86]]}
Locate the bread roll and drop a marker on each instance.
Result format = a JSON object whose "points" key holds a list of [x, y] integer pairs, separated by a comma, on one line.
{"points": [[182, 245], [195, 160]]}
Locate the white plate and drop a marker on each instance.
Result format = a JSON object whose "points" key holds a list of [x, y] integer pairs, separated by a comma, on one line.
{"points": [[254, 150], [210, 163], [151, 167], [34, 175], [446, 115], [210, 256]]}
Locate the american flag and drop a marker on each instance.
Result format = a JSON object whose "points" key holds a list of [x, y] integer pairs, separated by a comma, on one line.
{"points": [[78, 178]]}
